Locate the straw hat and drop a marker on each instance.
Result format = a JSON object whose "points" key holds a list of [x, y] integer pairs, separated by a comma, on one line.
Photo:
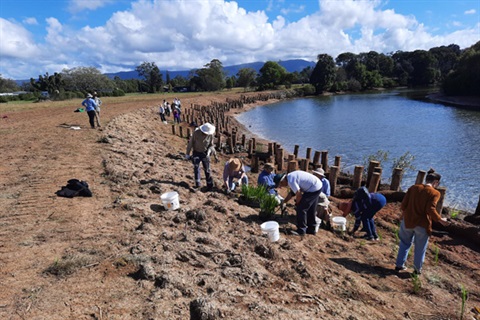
{"points": [[319, 172], [269, 165], [207, 128], [234, 164]]}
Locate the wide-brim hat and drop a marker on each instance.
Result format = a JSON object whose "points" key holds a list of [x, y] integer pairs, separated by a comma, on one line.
{"points": [[89, 95], [269, 165], [319, 172], [207, 128], [234, 164], [278, 178]]}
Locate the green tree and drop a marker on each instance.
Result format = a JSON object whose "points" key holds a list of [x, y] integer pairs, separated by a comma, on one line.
{"points": [[152, 76], [86, 79], [53, 84], [246, 77], [323, 74], [465, 78], [271, 75], [447, 58], [8, 85], [424, 72], [210, 78]]}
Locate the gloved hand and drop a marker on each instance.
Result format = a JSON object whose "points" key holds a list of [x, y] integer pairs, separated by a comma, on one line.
{"points": [[187, 157]]}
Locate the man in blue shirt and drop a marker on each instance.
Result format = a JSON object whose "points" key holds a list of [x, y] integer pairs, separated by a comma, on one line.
{"points": [[265, 178]]}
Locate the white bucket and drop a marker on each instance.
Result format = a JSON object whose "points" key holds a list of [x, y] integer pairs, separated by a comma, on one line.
{"points": [[271, 229], [318, 222], [170, 200], [339, 223]]}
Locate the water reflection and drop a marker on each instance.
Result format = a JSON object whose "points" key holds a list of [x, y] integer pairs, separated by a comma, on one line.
{"points": [[355, 126]]}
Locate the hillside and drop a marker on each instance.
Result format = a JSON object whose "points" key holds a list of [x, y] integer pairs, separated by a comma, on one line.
{"points": [[121, 255]]}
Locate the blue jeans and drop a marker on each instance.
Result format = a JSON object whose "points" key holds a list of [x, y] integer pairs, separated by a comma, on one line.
{"points": [[378, 202], [200, 157], [417, 235], [231, 184]]}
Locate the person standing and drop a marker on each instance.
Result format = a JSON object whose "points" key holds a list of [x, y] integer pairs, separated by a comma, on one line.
{"points": [[306, 188], [161, 111], [419, 209], [90, 107], [97, 108], [323, 211], [199, 144], [365, 205], [234, 169]]}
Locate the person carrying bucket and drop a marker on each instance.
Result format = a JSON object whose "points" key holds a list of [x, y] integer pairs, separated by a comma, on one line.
{"points": [[199, 144], [306, 188]]}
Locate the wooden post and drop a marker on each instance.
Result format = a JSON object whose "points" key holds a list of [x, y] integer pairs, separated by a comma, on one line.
{"points": [[181, 132], [308, 155], [189, 133], [332, 178], [230, 143], [250, 148], [338, 160], [396, 179], [295, 150], [303, 164], [291, 157], [254, 145], [234, 139], [254, 168], [279, 157], [420, 177], [174, 131], [243, 141], [219, 141], [442, 191], [316, 158], [292, 166], [371, 166], [374, 182], [357, 177], [270, 149], [325, 160]]}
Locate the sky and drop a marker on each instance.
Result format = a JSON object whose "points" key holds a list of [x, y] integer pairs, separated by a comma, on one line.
{"points": [[48, 36]]}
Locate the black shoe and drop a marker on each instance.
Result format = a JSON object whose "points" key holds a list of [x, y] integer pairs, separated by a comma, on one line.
{"points": [[400, 268], [417, 272], [295, 233]]}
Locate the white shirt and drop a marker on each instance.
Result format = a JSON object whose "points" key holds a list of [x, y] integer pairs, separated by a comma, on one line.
{"points": [[303, 181]]}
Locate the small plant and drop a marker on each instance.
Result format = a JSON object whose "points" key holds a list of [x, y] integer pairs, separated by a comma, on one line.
{"points": [[404, 162], [397, 234], [381, 156], [454, 213], [267, 207], [436, 251], [464, 294], [417, 283]]}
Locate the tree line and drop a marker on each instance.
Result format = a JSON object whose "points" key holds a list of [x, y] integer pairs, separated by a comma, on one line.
{"points": [[455, 71]]}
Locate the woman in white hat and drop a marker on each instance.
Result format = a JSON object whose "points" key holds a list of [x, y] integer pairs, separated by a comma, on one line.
{"points": [[199, 143]]}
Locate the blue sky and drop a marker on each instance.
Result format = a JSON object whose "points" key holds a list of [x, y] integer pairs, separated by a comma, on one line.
{"points": [[39, 36]]}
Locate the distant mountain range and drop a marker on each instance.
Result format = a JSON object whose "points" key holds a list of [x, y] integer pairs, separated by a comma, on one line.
{"points": [[289, 65]]}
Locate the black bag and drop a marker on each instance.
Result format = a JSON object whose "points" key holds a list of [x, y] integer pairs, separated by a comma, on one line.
{"points": [[74, 188]]}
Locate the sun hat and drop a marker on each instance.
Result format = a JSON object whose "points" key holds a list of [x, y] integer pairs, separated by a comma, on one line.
{"points": [[234, 164], [278, 178], [319, 172], [269, 165], [89, 95], [207, 128]]}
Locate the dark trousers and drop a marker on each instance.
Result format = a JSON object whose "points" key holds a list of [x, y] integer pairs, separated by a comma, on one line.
{"points": [[201, 157], [91, 118], [162, 117], [306, 212], [378, 201]]}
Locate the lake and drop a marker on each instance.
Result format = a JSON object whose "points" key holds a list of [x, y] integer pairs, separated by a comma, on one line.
{"points": [[355, 126]]}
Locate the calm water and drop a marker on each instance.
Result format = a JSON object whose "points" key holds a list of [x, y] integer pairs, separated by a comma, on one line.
{"points": [[355, 126]]}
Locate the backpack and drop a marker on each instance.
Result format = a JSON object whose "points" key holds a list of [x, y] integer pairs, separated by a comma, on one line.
{"points": [[74, 188]]}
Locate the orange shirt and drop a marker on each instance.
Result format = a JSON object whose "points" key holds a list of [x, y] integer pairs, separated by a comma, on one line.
{"points": [[419, 207]]}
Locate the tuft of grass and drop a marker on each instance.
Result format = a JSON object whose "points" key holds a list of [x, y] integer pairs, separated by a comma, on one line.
{"points": [[416, 283], [464, 295], [68, 265], [454, 213], [436, 251]]}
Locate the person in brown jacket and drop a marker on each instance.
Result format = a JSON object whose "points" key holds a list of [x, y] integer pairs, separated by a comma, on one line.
{"points": [[418, 211]]}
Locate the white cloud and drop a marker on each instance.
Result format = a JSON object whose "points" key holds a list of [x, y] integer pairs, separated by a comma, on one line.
{"points": [[76, 6], [30, 21], [178, 34], [471, 11]]}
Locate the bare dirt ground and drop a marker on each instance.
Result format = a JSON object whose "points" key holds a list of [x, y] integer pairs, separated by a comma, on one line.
{"points": [[121, 255]]}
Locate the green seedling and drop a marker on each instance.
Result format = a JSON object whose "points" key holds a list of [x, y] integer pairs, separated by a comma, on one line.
{"points": [[417, 283], [464, 294]]}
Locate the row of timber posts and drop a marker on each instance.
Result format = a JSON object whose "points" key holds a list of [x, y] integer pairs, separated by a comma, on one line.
{"points": [[215, 114]]}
